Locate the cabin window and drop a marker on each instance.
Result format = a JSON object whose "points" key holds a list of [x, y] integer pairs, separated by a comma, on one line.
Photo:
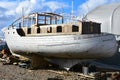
{"points": [[49, 29], [21, 32], [29, 31], [90, 28], [75, 28], [38, 30], [59, 28], [41, 20]]}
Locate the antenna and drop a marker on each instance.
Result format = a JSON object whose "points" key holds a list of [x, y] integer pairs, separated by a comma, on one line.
{"points": [[72, 12]]}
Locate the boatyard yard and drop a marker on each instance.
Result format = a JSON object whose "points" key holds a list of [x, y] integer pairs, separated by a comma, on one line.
{"points": [[51, 45], [14, 72]]}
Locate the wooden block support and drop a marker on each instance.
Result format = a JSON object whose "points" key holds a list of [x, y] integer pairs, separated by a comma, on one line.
{"points": [[38, 62]]}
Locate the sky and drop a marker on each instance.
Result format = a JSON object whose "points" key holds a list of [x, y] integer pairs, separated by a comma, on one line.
{"points": [[12, 9]]}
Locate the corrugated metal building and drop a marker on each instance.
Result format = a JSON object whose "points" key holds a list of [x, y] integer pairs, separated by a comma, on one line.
{"points": [[108, 16]]}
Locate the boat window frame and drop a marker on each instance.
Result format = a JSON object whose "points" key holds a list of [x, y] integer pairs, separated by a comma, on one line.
{"points": [[49, 29], [38, 30], [75, 28], [29, 31], [59, 29]]}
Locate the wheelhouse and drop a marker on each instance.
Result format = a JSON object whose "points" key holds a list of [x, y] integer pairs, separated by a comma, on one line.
{"points": [[50, 24]]}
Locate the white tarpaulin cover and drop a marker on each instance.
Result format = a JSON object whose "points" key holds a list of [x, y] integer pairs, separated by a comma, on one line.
{"points": [[108, 16]]}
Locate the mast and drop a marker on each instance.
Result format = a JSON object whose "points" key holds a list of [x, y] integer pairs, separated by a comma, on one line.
{"points": [[72, 12], [22, 17]]}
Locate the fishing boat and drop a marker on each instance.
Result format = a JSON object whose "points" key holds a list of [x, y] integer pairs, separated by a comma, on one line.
{"points": [[47, 35]]}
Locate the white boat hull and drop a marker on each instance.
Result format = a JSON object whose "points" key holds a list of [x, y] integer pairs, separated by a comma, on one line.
{"points": [[89, 46]]}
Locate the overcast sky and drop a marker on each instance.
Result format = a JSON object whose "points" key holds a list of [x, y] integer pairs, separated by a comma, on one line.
{"points": [[12, 9]]}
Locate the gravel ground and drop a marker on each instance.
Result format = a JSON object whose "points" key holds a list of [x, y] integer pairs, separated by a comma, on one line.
{"points": [[14, 72]]}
